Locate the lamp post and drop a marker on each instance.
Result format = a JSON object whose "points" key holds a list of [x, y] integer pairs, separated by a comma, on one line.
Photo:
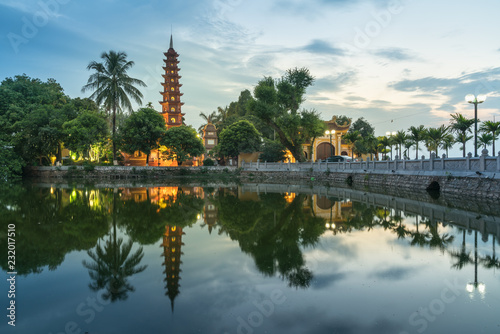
{"points": [[471, 98], [330, 133], [389, 134]]}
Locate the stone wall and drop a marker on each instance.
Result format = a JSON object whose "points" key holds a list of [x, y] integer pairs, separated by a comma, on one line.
{"points": [[126, 172], [477, 186]]}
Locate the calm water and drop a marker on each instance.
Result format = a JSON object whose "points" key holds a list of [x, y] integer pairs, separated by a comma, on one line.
{"points": [[247, 260]]}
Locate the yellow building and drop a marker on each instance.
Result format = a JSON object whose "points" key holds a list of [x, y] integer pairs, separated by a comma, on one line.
{"points": [[332, 143]]}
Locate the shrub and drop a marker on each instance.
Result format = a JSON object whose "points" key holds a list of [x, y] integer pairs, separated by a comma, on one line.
{"points": [[208, 162]]}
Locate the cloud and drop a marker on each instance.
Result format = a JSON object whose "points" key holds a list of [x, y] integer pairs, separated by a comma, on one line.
{"points": [[394, 54], [324, 48], [428, 84], [333, 83], [355, 98]]}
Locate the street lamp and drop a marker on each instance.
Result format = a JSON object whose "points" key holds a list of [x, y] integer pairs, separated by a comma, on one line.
{"points": [[389, 134], [471, 98], [330, 133]]}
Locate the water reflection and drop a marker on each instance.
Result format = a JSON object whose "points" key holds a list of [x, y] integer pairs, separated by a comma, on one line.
{"points": [[277, 230]]}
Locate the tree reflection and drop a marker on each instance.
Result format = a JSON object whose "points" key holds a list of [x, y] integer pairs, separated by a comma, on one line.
{"points": [[273, 229], [50, 222], [462, 257], [491, 261], [113, 264], [440, 241]]}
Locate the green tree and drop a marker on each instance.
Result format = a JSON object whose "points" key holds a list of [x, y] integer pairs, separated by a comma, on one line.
{"points": [[182, 143], [87, 129], [364, 128], [485, 139], [417, 134], [399, 139], [448, 142], [240, 137], [383, 143], [142, 131], [112, 86], [461, 126], [434, 138], [277, 103], [354, 139], [492, 128], [272, 151]]}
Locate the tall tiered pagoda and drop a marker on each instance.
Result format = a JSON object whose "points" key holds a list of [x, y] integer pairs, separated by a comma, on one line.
{"points": [[171, 104]]}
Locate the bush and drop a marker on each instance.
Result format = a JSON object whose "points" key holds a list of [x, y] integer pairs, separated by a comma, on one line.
{"points": [[88, 167], [208, 162]]}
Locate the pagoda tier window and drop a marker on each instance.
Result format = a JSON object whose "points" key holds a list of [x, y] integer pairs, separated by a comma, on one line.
{"points": [[172, 98], [172, 119], [172, 109]]}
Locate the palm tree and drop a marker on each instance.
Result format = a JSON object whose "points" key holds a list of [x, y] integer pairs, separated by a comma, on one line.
{"points": [[434, 138], [408, 144], [352, 138], [494, 129], [371, 145], [383, 142], [209, 118], [462, 126], [399, 140], [485, 139], [112, 86], [417, 134], [448, 142]]}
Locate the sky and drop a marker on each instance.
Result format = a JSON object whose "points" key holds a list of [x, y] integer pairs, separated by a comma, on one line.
{"points": [[397, 63]]}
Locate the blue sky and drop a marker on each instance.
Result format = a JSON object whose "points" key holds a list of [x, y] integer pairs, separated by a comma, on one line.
{"points": [[396, 63]]}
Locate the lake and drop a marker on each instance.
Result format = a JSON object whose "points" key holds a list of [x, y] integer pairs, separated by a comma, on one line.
{"points": [[247, 259]]}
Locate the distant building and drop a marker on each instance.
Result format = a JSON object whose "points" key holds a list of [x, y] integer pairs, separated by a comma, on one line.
{"points": [[210, 138]]}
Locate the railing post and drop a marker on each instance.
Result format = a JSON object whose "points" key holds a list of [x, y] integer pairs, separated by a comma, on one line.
{"points": [[442, 162], [467, 161], [498, 162], [431, 160], [422, 162], [396, 158], [482, 160], [258, 163]]}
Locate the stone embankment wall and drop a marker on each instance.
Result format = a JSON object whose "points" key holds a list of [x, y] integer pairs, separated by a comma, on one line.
{"points": [[125, 172], [468, 177], [465, 186]]}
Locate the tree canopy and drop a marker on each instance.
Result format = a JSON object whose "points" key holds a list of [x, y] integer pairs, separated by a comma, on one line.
{"points": [[182, 143], [142, 131], [277, 103], [240, 137]]}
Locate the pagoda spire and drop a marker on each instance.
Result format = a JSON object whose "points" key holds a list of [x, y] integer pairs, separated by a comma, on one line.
{"points": [[171, 42]]}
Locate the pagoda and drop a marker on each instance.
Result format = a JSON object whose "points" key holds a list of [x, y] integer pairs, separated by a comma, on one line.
{"points": [[171, 104]]}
